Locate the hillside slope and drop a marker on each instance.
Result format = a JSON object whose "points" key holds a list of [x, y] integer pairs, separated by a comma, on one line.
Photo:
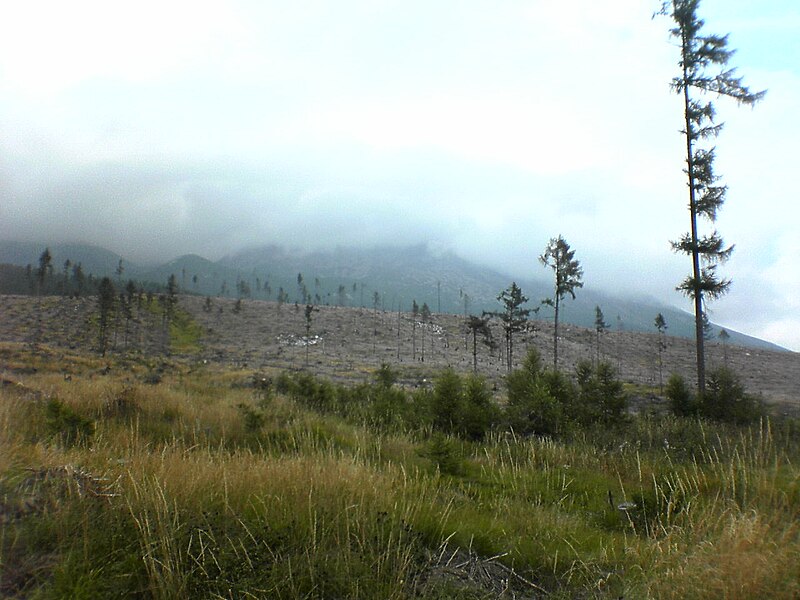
{"points": [[349, 344], [353, 277]]}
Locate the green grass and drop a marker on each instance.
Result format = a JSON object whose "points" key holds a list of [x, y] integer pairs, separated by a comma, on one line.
{"points": [[185, 333], [180, 491]]}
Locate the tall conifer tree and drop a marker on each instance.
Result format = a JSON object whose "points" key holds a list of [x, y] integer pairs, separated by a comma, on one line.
{"points": [[106, 301], [478, 326], [703, 70], [600, 327], [568, 276], [661, 326]]}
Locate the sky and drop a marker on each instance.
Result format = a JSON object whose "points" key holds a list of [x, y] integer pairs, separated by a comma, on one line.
{"points": [[160, 128]]}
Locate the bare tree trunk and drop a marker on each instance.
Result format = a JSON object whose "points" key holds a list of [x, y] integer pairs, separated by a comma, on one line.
{"points": [[555, 336]]}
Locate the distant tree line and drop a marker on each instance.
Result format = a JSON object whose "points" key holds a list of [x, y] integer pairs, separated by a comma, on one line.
{"points": [[66, 279], [120, 310]]}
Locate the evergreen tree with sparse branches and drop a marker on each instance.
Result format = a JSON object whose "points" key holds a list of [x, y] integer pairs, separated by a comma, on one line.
{"points": [[600, 326], [45, 267], [513, 317], [703, 70], [479, 326], [127, 305], [568, 276], [106, 300], [425, 315], [309, 311], [172, 297], [67, 265], [661, 326], [79, 278], [724, 336], [414, 313], [376, 302]]}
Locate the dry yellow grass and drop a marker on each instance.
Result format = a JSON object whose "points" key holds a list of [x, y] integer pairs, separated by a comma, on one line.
{"points": [[309, 505]]}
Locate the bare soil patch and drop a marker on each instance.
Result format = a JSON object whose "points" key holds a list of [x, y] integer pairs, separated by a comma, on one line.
{"points": [[348, 344]]}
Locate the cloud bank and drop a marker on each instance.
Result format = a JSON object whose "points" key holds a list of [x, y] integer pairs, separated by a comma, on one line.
{"points": [[487, 128]]}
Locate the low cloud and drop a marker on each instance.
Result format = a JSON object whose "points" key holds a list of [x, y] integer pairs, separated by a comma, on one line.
{"points": [[483, 128]]}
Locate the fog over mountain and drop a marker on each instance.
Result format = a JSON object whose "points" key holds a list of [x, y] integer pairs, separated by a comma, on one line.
{"points": [[353, 277], [479, 128]]}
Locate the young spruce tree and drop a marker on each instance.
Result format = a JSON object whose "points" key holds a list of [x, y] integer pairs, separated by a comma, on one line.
{"points": [[703, 70]]}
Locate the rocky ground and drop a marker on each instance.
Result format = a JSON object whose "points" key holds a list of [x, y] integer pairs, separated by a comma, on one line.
{"points": [[350, 343]]}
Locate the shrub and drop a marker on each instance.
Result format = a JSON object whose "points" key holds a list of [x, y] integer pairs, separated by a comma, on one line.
{"points": [[262, 389], [726, 400], [66, 425], [420, 406], [443, 453], [123, 405], [681, 401], [152, 378], [389, 406], [446, 401], [537, 399], [462, 407], [479, 412], [600, 394], [284, 384], [377, 405], [531, 407], [315, 394], [253, 419], [385, 376]]}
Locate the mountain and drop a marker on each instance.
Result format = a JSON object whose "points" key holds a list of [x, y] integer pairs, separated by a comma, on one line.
{"points": [[93, 259], [398, 274], [353, 276], [448, 283], [194, 274]]}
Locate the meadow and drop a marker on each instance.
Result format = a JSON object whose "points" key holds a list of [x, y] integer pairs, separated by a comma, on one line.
{"points": [[159, 478], [159, 472]]}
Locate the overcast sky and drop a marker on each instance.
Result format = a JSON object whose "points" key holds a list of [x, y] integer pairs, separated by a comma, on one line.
{"points": [[158, 128]]}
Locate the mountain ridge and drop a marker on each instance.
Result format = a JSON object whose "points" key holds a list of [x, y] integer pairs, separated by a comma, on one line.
{"points": [[353, 276]]}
